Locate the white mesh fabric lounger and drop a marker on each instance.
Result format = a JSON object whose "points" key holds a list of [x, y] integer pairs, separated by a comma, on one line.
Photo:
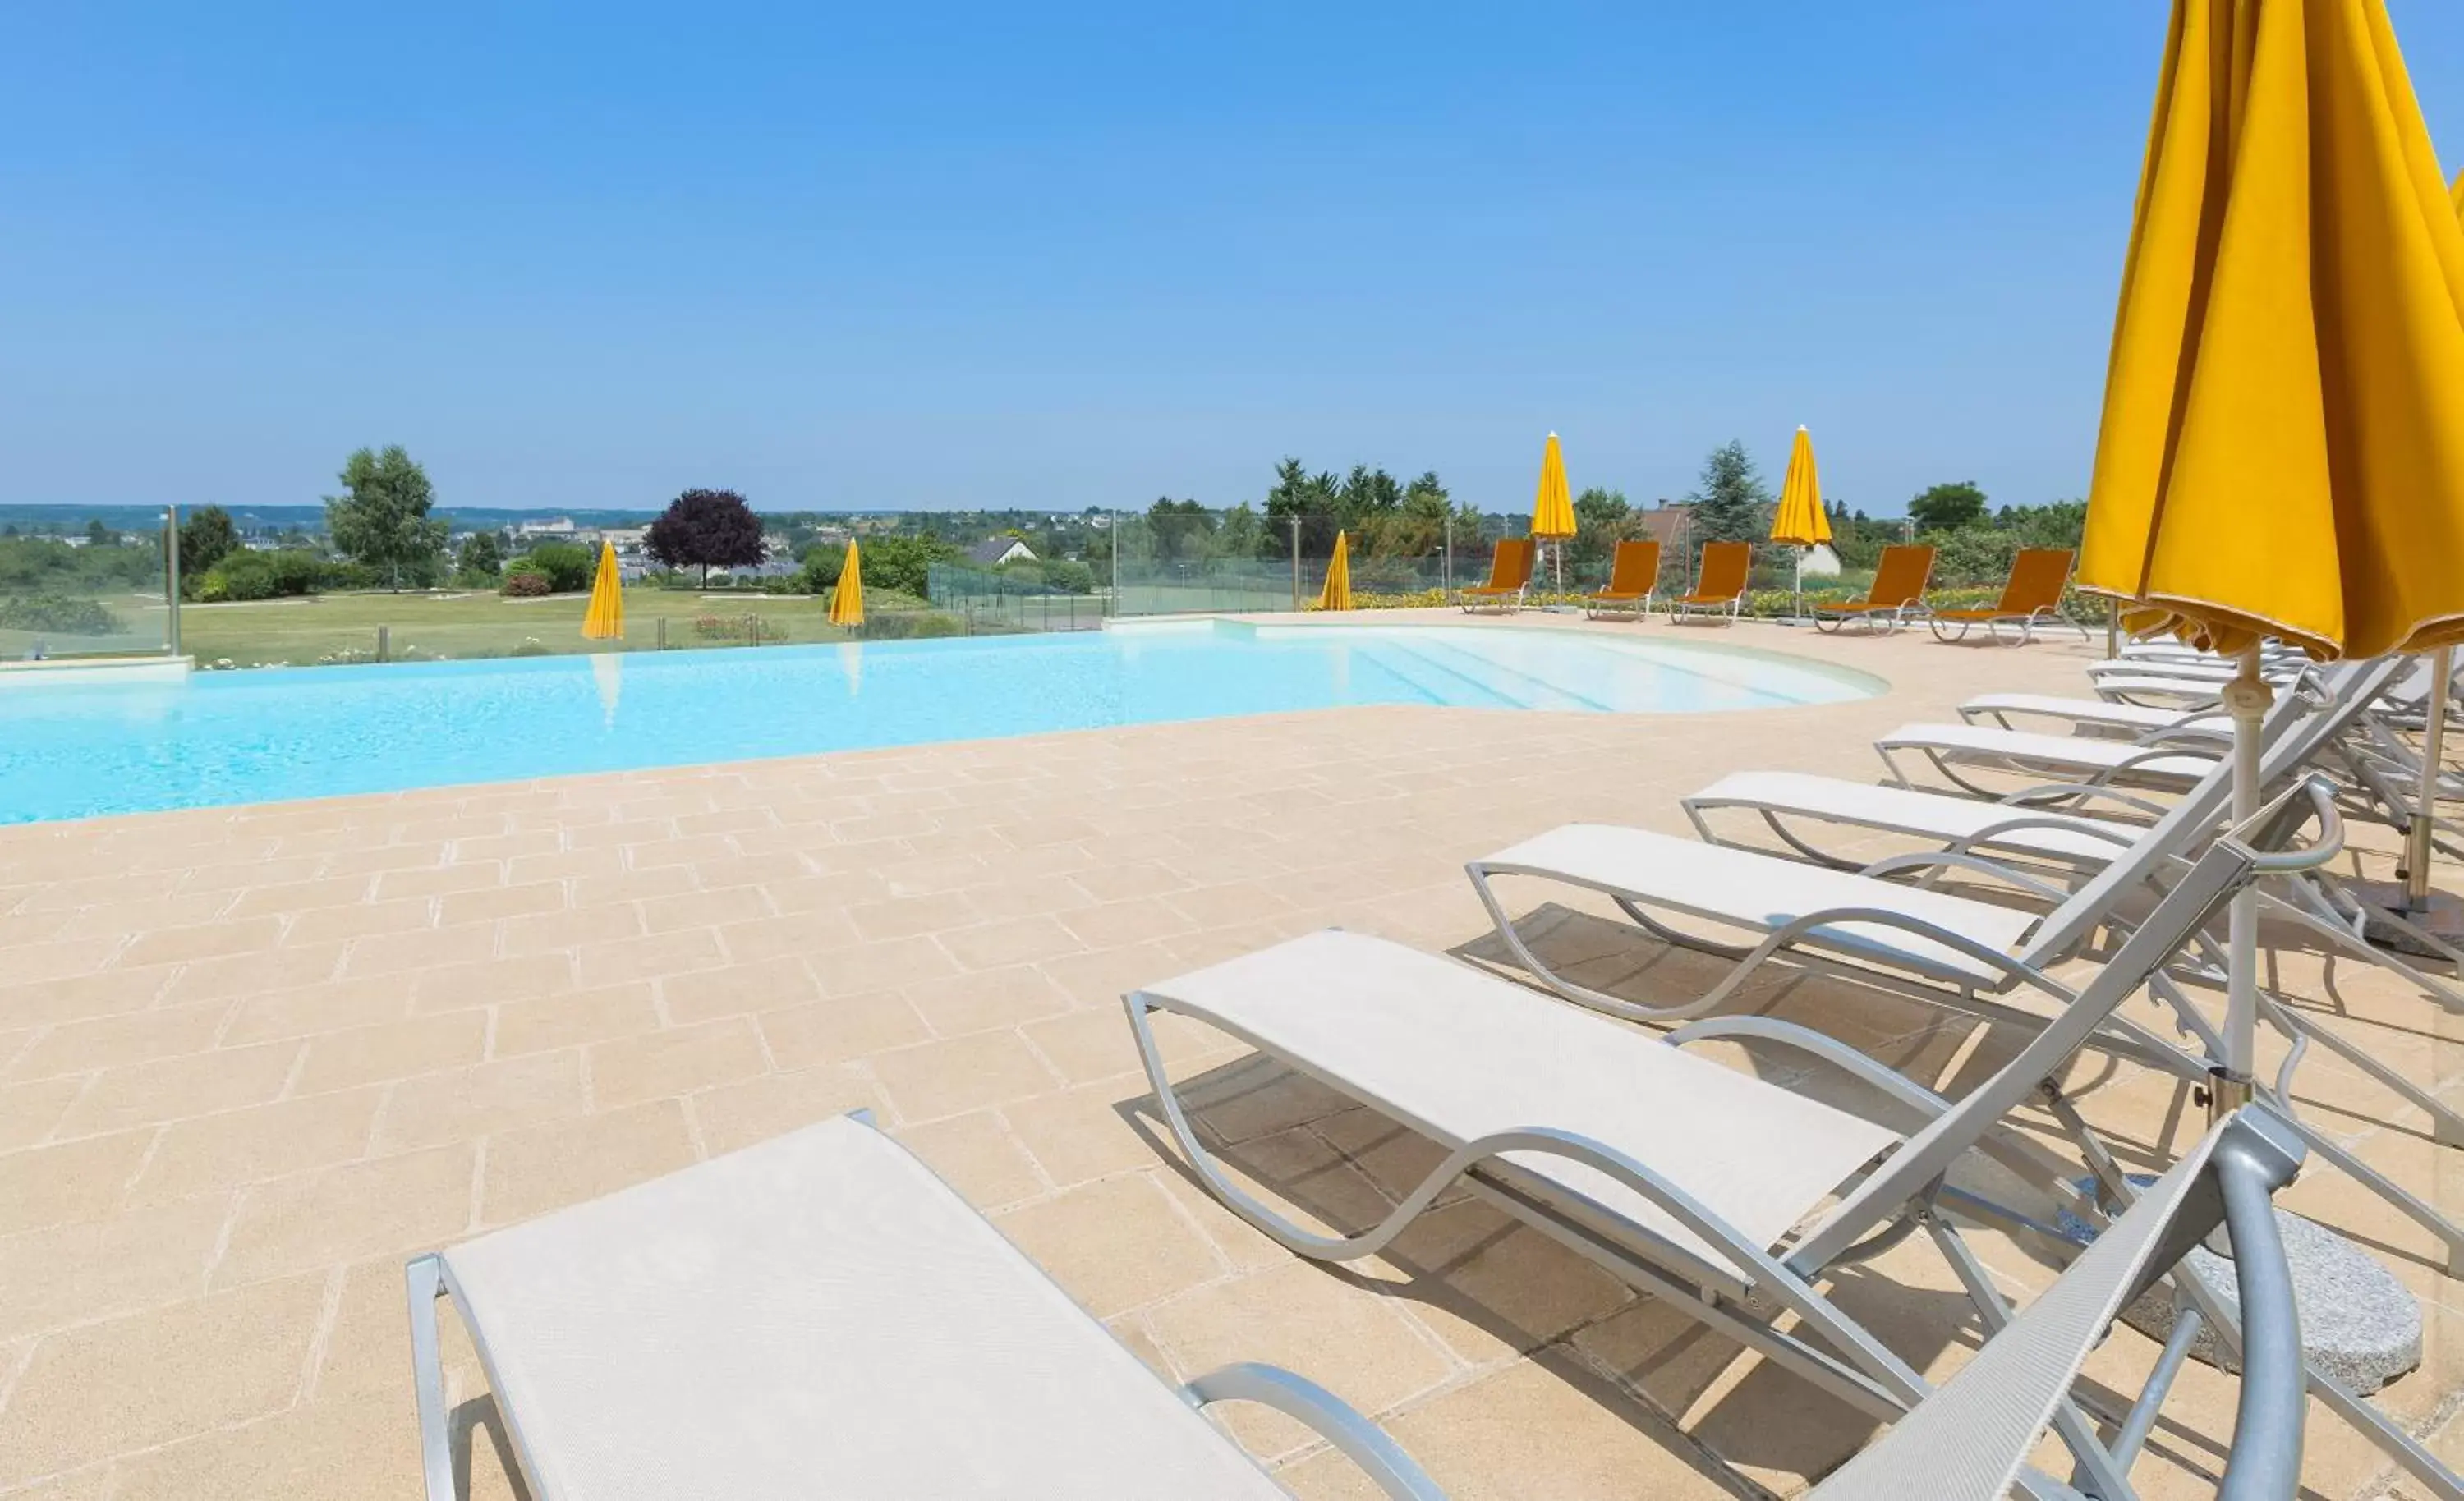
{"points": [[2080, 846], [2092, 712], [819, 1316], [2166, 759], [1682, 1177]]}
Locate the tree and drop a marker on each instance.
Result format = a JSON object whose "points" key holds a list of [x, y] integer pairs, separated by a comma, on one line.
{"points": [[1732, 502], [97, 534], [1182, 531], [904, 563], [483, 554], [1947, 507], [206, 538], [1368, 492], [382, 521], [708, 527], [1603, 519]]}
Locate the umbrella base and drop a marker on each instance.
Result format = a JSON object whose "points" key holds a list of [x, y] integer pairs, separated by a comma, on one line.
{"points": [[2359, 1324], [2442, 918]]}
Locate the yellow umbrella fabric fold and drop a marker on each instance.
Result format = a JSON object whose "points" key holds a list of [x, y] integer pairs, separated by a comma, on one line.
{"points": [[604, 619], [1800, 521], [1552, 509], [1337, 593], [846, 598], [2280, 451]]}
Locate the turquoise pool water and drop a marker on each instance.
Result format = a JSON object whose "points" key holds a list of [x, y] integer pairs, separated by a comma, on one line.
{"points": [[73, 750]]}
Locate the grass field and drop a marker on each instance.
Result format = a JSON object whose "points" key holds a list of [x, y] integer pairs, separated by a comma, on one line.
{"points": [[330, 628], [343, 627]]}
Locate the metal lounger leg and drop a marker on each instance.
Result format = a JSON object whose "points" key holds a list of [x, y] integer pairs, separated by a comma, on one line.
{"points": [[428, 1378]]}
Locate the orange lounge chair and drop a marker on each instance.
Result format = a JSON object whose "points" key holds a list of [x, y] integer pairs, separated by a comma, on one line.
{"points": [[1634, 579], [1509, 574], [2034, 595], [1897, 592], [1719, 582]]}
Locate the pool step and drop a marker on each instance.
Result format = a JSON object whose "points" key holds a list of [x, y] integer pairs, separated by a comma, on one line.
{"points": [[1435, 681], [1518, 685], [1492, 682]]}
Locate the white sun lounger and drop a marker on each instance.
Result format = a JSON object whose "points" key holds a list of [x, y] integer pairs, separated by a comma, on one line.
{"points": [[819, 1316], [2172, 760], [2079, 846], [2093, 712], [889, 1342], [1680, 1176]]}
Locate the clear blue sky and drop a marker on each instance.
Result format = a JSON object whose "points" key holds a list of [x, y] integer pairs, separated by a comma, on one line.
{"points": [[1066, 255]]}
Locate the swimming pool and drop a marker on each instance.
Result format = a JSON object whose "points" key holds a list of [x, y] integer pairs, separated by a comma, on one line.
{"points": [[73, 750]]}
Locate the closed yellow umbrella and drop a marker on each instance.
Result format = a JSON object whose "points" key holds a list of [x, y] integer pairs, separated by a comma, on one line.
{"points": [[2280, 452], [846, 598], [1337, 593], [1800, 522], [604, 620], [1552, 509]]}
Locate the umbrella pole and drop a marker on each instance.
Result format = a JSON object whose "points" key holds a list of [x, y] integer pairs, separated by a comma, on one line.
{"points": [[2434, 760], [2229, 1087]]}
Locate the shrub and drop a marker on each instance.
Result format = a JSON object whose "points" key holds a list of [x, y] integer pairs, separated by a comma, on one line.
{"points": [[736, 628], [521, 584], [298, 572], [823, 565], [67, 616], [242, 575], [566, 566]]}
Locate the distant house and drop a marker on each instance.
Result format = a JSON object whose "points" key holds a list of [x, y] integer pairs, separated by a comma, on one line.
{"points": [[553, 526], [993, 552], [1672, 526]]}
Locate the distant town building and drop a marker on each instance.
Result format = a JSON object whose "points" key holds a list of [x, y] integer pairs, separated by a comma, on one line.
{"points": [[552, 527], [993, 552]]}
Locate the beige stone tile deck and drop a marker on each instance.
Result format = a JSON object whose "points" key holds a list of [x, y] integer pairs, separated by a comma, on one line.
{"points": [[251, 1059]]}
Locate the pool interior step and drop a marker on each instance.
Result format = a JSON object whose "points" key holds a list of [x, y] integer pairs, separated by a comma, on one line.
{"points": [[1445, 670]]}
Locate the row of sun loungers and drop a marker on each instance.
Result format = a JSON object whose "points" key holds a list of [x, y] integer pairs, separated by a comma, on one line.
{"points": [[820, 1315], [2032, 597]]}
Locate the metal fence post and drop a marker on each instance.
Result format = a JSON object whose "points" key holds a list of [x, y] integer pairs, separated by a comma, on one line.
{"points": [[1116, 564], [1296, 562], [385, 643], [171, 580], [1449, 575]]}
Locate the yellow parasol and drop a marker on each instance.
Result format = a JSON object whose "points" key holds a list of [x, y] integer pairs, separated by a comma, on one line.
{"points": [[847, 599], [2280, 453], [604, 620], [1799, 522], [1337, 593], [1552, 509]]}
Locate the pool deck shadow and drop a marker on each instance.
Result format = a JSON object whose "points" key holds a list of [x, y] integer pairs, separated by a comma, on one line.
{"points": [[252, 1058]]}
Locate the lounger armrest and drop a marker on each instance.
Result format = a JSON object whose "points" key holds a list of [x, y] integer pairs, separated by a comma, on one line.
{"points": [[1933, 933], [1329, 1416], [2185, 736], [1960, 860], [1821, 1044], [2082, 792], [2115, 837]]}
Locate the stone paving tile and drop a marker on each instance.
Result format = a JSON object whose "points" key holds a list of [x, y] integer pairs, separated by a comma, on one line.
{"points": [[250, 1059]]}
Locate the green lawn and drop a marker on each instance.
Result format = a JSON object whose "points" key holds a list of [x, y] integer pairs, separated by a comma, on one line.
{"points": [[450, 624]]}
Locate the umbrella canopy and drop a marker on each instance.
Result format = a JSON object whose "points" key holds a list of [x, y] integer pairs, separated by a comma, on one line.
{"points": [[1553, 510], [2280, 454], [604, 620], [1800, 521], [847, 599], [1337, 593]]}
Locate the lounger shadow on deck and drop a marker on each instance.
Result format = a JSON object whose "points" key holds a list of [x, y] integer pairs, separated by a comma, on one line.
{"points": [[1469, 1261]]}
